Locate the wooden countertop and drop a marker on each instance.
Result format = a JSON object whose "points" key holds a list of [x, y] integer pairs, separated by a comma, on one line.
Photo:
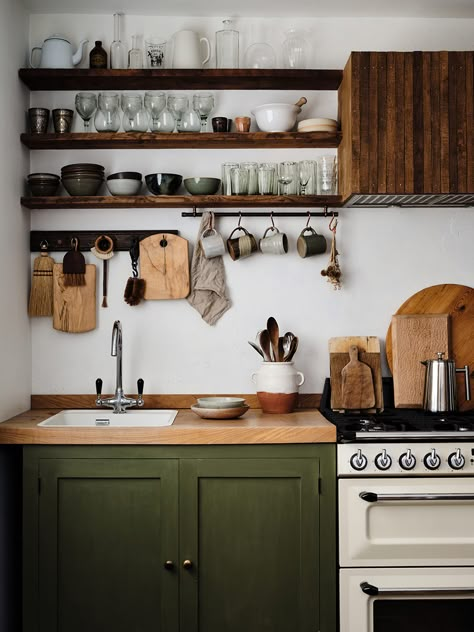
{"points": [[255, 427]]}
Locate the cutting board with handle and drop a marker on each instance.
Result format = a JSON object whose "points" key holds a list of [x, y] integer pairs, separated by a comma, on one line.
{"points": [[368, 353], [164, 265], [416, 337], [357, 383], [458, 302], [74, 307]]}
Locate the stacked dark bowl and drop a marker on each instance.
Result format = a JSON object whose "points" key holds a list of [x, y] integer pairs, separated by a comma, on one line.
{"points": [[43, 184], [82, 178]]}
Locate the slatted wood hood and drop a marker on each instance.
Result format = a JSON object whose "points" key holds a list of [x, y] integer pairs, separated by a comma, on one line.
{"points": [[408, 129]]}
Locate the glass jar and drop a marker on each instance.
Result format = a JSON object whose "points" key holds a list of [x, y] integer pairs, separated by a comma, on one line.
{"points": [[107, 117], [227, 46], [295, 50]]}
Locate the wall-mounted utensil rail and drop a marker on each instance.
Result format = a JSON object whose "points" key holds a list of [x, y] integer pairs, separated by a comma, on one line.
{"points": [[60, 240]]}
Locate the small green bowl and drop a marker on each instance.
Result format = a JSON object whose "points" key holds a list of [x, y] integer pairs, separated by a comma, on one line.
{"points": [[221, 402], [202, 186]]}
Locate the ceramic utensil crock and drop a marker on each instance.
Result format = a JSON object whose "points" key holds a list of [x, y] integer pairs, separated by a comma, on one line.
{"points": [[277, 386], [440, 384]]}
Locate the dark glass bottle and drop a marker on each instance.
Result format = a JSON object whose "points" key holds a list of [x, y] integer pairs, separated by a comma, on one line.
{"points": [[98, 56]]}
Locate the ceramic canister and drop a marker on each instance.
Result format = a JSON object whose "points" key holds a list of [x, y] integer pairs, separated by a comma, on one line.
{"points": [[277, 386]]}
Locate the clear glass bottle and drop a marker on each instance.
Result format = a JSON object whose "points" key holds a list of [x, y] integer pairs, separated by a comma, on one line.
{"points": [[135, 54], [295, 50], [227, 46], [117, 48]]}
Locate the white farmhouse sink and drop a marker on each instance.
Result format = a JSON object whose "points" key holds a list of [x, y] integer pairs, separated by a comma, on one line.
{"points": [[150, 418]]}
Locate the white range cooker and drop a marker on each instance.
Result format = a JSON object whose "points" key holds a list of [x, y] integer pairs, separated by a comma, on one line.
{"points": [[406, 519]]}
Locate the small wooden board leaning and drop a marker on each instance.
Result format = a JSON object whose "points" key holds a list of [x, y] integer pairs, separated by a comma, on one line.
{"points": [[74, 307], [358, 389]]}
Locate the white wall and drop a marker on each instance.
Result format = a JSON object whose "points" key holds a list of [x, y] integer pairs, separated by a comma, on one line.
{"points": [[15, 341], [386, 255]]}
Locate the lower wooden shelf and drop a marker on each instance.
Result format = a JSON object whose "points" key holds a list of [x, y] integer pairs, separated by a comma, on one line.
{"points": [[182, 201]]}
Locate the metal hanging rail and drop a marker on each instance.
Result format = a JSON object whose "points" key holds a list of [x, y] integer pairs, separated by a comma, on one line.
{"points": [[324, 213]]}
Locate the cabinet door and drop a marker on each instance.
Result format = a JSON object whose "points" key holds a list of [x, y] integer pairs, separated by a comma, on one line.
{"points": [[106, 528], [250, 528]]}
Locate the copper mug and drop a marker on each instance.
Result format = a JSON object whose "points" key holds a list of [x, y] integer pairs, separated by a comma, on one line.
{"points": [[243, 246], [242, 123]]}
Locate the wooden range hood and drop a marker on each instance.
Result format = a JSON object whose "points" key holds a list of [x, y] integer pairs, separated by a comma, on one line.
{"points": [[408, 129]]}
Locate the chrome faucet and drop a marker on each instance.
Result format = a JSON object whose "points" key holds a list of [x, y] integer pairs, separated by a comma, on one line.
{"points": [[118, 402]]}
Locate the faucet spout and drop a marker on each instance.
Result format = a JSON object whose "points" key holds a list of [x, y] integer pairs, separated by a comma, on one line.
{"points": [[116, 351]]}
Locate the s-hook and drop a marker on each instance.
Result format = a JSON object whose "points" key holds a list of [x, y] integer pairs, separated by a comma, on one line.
{"points": [[309, 219]]}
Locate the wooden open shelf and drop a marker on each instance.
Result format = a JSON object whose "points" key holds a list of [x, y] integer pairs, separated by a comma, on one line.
{"points": [[176, 79], [182, 201], [187, 140]]}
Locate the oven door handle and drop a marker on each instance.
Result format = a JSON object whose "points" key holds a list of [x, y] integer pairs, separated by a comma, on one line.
{"points": [[373, 497], [374, 591]]}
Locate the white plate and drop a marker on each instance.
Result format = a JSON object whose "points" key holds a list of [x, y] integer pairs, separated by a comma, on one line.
{"points": [[317, 121]]}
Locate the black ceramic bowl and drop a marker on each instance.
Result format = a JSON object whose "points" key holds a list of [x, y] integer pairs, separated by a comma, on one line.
{"points": [[125, 175], [163, 183]]}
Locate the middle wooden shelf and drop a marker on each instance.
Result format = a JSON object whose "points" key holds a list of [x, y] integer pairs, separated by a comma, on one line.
{"points": [[186, 140]]}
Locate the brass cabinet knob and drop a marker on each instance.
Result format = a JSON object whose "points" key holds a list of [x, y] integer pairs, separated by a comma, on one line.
{"points": [[187, 564], [169, 565]]}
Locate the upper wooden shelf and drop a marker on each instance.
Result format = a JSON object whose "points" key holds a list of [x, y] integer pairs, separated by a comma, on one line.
{"points": [[208, 140], [182, 201], [217, 79]]}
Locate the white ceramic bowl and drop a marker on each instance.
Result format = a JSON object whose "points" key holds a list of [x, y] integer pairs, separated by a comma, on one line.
{"points": [[124, 186], [221, 402], [276, 117]]}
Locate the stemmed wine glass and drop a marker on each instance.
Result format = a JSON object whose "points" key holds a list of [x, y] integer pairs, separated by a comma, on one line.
{"points": [[286, 173], [86, 105], [177, 104], [155, 103], [203, 103], [134, 115], [305, 168]]}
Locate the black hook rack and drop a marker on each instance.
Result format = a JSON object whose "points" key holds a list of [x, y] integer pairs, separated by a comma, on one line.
{"points": [[60, 240], [259, 214]]}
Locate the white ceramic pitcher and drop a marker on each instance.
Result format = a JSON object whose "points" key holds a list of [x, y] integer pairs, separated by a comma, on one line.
{"points": [[186, 50]]}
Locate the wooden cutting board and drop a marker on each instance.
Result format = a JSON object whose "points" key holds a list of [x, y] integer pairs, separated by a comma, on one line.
{"points": [[416, 338], [357, 383], [74, 307], [458, 302], [164, 265], [369, 353]]}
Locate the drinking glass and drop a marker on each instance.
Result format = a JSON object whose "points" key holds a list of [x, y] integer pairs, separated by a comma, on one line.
{"points": [[166, 122], [155, 48], [305, 170], [239, 181], [135, 118], [265, 178], [155, 103], [190, 121], [177, 104], [107, 117], [86, 105], [287, 176], [226, 178], [251, 167], [327, 175], [203, 103], [274, 166]]}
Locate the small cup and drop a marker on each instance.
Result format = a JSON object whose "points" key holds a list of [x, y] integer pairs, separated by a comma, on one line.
{"points": [[239, 179], [62, 120], [212, 243], [327, 175], [274, 244], [220, 124], [242, 123], [243, 246], [266, 179], [155, 51], [38, 119], [309, 243]]}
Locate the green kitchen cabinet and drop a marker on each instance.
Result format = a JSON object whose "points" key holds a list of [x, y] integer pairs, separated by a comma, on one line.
{"points": [[195, 538]]}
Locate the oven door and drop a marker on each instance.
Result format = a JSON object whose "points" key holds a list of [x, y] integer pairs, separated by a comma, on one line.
{"points": [[408, 599], [406, 522]]}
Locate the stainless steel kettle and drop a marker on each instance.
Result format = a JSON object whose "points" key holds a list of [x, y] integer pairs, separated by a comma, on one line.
{"points": [[440, 384]]}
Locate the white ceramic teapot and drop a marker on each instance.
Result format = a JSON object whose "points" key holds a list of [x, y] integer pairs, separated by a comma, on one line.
{"points": [[186, 50], [56, 52]]}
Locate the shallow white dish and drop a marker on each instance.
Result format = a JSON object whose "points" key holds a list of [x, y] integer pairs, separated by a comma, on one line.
{"points": [[317, 128], [220, 413], [317, 121], [220, 402], [103, 418]]}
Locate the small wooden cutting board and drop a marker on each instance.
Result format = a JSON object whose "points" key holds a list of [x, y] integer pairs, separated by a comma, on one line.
{"points": [[74, 307], [164, 265], [357, 383]]}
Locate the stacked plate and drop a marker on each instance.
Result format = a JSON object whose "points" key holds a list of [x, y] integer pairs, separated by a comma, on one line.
{"points": [[220, 407], [82, 178], [43, 184], [317, 125]]}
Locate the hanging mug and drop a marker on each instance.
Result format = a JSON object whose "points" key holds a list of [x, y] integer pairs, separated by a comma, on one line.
{"points": [[212, 243], [274, 244], [243, 246], [310, 243]]}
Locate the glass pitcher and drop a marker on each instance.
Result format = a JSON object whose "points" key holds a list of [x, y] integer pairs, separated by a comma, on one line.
{"points": [[227, 46]]}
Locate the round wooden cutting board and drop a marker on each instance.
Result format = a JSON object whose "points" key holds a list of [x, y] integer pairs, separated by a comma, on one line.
{"points": [[458, 302]]}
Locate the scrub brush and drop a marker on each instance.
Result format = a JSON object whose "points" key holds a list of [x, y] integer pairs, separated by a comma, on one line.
{"points": [[74, 265]]}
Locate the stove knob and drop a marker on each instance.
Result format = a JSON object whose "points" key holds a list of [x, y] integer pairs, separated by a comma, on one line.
{"points": [[383, 461], [432, 460], [456, 460], [358, 461], [407, 460]]}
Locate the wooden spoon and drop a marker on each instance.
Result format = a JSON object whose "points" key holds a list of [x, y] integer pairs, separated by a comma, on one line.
{"points": [[274, 331], [265, 345], [292, 351], [281, 349]]}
